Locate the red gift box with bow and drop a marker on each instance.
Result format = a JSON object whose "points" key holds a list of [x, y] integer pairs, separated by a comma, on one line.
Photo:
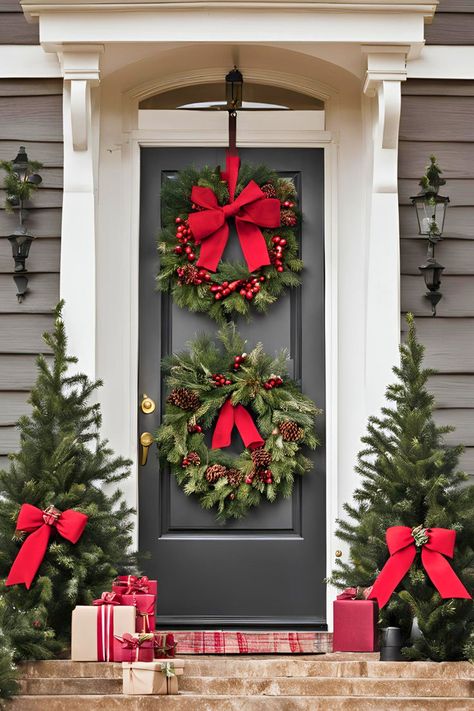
{"points": [[355, 622], [145, 607], [165, 646], [136, 647], [129, 584]]}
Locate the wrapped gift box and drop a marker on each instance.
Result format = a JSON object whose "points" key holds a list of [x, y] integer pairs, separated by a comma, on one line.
{"points": [[153, 677], [145, 607], [355, 626], [128, 584], [137, 648], [165, 646], [94, 630]]}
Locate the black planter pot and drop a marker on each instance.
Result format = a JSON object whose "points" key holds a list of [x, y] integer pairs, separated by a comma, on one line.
{"points": [[391, 645]]}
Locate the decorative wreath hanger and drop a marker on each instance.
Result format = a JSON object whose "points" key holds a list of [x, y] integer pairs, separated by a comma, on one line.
{"points": [[218, 388], [197, 209]]}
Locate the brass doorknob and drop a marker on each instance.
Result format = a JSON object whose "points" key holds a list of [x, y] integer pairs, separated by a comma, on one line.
{"points": [[147, 405], [146, 440], [338, 554]]}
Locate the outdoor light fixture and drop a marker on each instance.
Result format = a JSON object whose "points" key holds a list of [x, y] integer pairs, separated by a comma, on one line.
{"points": [[431, 212], [233, 91], [20, 182]]}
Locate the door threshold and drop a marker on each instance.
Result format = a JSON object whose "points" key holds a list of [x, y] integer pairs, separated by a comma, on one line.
{"points": [[252, 642]]}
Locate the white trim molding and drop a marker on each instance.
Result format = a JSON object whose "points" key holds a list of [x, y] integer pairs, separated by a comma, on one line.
{"points": [[80, 67], [386, 69]]}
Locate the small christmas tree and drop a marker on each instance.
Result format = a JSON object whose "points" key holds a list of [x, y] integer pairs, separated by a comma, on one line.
{"points": [[409, 477], [63, 463], [432, 181]]}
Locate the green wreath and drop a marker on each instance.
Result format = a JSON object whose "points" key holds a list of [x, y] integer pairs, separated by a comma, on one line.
{"points": [[202, 381], [232, 288]]}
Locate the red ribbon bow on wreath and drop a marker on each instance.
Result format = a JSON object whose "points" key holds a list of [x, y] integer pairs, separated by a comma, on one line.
{"points": [[435, 543], [237, 415], [251, 209], [69, 524]]}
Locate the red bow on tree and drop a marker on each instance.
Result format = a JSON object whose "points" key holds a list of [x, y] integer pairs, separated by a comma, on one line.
{"points": [[251, 209], [237, 415], [402, 543], [69, 524]]}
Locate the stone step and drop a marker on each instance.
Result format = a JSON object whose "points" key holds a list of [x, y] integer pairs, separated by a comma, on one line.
{"points": [[197, 702], [258, 667], [275, 686]]}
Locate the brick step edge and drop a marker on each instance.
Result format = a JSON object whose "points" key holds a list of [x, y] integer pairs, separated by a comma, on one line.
{"points": [[192, 702]]}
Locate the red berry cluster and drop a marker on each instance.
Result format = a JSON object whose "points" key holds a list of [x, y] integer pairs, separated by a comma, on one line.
{"points": [[247, 287], [264, 475], [191, 459], [194, 428], [220, 380], [185, 238], [287, 204], [192, 275], [250, 287], [276, 253], [274, 381], [238, 360]]}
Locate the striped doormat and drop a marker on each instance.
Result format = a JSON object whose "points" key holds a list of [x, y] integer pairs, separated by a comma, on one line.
{"points": [[229, 642]]}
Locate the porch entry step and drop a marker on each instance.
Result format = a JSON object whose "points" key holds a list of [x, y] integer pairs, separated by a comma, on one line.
{"points": [[271, 686], [252, 642], [193, 702]]}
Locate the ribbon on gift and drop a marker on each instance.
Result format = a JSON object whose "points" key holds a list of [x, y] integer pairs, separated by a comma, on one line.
{"points": [[108, 598], [251, 210], [130, 641], [105, 627], [167, 668], [132, 584], [435, 544], [39, 523], [357, 593], [145, 615], [237, 415]]}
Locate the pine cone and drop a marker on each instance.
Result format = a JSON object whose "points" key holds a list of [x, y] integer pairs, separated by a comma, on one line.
{"points": [[193, 459], [291, 431], [269, 190], [188, 275], [288, 218], [215, 472], [184, 398], [234, 477], [261, 458]]}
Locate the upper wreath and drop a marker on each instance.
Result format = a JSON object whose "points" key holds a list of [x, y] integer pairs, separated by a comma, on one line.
{"points": [[197, 208]]}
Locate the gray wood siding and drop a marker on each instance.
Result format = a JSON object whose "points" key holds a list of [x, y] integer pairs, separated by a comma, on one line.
{"points": [[446, 110], [30, 115], [453, 23], [14, 28]]}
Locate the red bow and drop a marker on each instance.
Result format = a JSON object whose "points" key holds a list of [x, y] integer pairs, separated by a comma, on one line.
{"points": [[251, 209], [355, 594], [108, 598], [69, 524], [237, 415], [133, 584], [438, 542]]}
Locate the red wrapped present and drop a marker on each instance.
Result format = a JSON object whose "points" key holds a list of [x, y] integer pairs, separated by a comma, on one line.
{"points": [[145, 606], [128, 584], [136, 647], [165, 646], [94, 629], [355, 622]]}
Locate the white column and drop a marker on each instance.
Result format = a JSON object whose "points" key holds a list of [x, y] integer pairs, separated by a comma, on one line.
{"points": [[80, 67], [386, 69]]}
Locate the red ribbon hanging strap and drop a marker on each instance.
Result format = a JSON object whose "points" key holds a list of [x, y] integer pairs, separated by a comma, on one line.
{"points": [[402, 549], [251, 210], [69, 524], [237, 415]]}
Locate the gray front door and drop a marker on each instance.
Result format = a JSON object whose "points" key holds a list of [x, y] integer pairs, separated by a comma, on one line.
{"points": [[266, 570]]}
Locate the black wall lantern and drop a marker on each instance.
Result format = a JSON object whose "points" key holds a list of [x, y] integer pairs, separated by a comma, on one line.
{"points": [[431, 212], [234, 83], [20, 181]]}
